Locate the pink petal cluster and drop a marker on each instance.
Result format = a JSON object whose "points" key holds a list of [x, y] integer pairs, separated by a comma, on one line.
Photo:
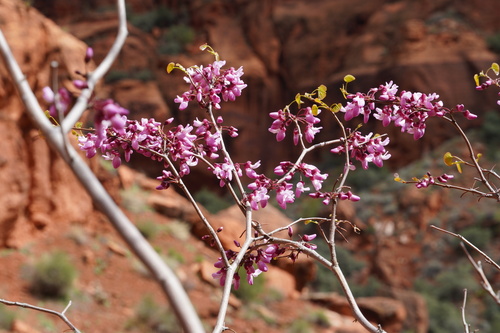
{"points": [[211, 84], [429, 180], [253, 263], [366, 148], [407, 110], [284, 118]]}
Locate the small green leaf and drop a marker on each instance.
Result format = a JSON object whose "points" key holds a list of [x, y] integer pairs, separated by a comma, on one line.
{"points": [[495, 68], [315, 110], [297, 99], [349, 78], [311, 221], [459, 167], [476, 79], [344, 92], [170, 67], [321, 92], [448, 159], [79, 124], [398, 179], [336, 107]]}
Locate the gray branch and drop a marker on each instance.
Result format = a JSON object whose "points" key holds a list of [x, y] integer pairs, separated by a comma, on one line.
{"points": [[167, 279]]}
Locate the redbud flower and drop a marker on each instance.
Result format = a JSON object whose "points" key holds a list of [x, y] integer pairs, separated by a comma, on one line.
{"points": [[308, 238], [80, 84], [89, 54]]}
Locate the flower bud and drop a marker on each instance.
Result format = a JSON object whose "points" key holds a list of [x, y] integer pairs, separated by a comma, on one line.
{"points": [[80, 84], [308, 238], [89, 54]]}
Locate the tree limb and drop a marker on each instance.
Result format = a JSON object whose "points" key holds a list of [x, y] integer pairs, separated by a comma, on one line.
{"points": [[166, 278]]}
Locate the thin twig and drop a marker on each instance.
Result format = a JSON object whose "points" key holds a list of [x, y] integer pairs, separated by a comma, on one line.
{"points": [[163, 274], [92, 78], [485, 283], [466, 326], [52, 312], [462, 238]]}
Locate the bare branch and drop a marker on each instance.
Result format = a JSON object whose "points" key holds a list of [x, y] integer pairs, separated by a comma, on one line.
{"points": [[466, 326], [52, 312], [92, 79], [463, 239], [485, 283], [477, 265], [166, 278]]}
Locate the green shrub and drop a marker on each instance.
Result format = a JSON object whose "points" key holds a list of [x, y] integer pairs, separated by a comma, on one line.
{"points": [[325, 280], [134, 199], [154, 318], [149, 229], [175, 39], [489, 133], [160, 17], [251, 293], [6, 318], [493, 42], [318, 318], [211, 201], [143, 75], [300, 326], [444, 317], [53, 275], [479, 236]]}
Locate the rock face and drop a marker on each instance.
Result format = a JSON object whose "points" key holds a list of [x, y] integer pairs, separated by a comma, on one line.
{"points": [[285, 46], [291, 46], [42, 191]]}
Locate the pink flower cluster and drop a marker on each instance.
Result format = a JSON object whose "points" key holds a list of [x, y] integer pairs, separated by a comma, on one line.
{"points": [[253, 263], [285, 194], [284, 118], [257, 260], [428, 180], [407, 110], [64, 99], [366, 149], [211, 84], [488, 83]]}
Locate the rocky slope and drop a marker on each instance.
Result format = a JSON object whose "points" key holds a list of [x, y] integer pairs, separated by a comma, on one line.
{"points": [[285, 46], [292, 46]]}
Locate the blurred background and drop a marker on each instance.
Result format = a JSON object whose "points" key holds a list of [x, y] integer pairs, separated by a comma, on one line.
{"points": [[410, 278]]}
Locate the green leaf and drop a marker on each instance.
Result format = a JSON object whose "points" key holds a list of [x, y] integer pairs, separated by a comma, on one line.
{"points": [[315, 110], [336, 107], [349, 78], [495, 68], [311, 221], [79, 124], [297, 99], [344, 92], [398, 179], [321, 92], [448, 159], [476, 79], [170, 67]]}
